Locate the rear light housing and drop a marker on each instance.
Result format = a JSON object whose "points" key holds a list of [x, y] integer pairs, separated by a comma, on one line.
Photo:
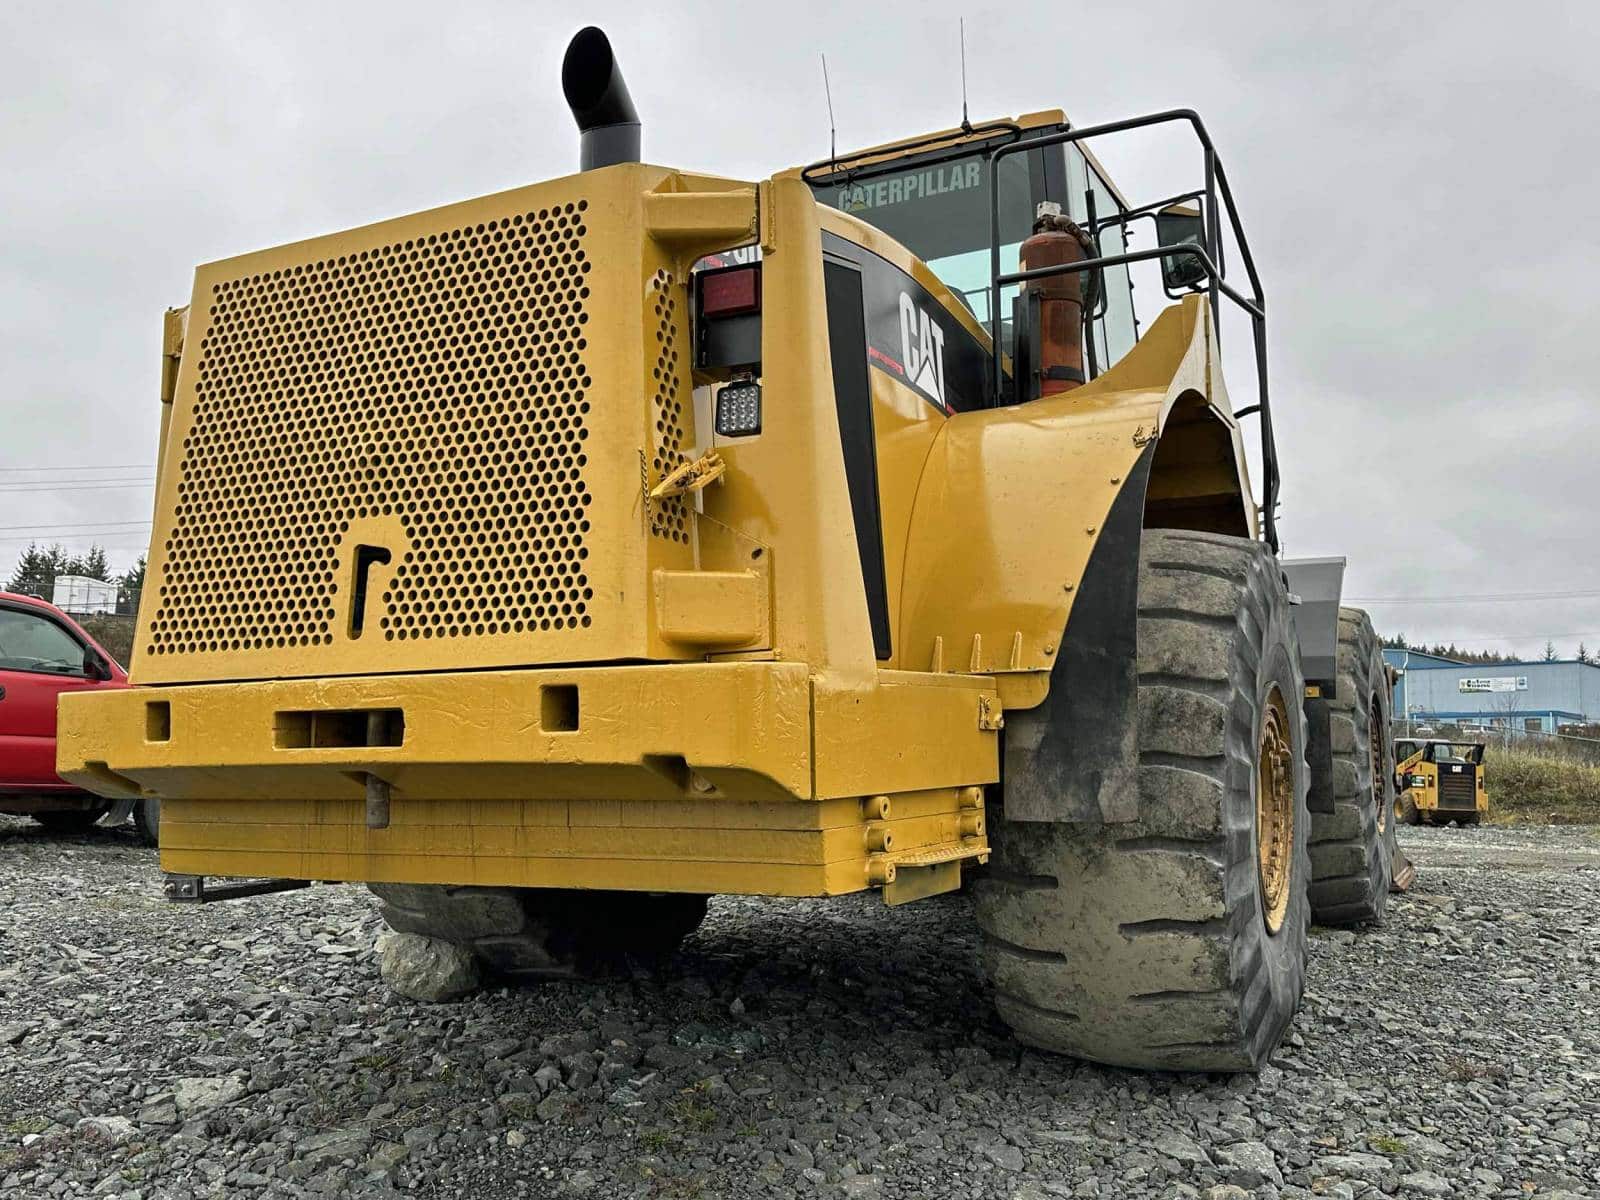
{"points": [[727, 311], [730, 292]]}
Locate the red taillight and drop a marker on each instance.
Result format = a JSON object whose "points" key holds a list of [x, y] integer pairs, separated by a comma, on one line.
{"points": [[731, 293]]}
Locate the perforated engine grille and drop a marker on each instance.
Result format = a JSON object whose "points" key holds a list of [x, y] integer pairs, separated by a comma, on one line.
{"points": [[435, 386], [1457, 790], [669, 518]]}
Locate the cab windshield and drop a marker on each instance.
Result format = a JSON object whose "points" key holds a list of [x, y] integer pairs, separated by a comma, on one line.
{"points": [[937, 207]]}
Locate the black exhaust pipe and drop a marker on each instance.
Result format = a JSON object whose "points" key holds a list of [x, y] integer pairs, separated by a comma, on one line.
{"points": [[608, 124]]}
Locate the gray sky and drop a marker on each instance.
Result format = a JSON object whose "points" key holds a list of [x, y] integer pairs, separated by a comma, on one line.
{"points": [[1415, 179]]}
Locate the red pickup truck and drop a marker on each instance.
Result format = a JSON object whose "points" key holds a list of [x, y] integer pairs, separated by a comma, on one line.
{"points": [[44, 652]]}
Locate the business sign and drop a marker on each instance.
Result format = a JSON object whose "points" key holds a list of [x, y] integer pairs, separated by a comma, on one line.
{"points": [[1496, 683]]}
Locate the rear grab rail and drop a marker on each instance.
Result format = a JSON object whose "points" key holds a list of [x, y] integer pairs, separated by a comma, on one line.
{"points": [[1210, 257]]}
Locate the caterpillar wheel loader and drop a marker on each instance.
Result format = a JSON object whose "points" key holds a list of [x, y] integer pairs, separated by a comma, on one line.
{"points": [[554, 560]]}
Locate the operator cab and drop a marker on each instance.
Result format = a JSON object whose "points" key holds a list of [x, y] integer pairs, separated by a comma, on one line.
{"points": [[1437, 751], [931, 194]]}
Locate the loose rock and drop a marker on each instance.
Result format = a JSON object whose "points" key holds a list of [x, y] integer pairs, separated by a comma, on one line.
{"points": [[796, 1049], [426, 969]]}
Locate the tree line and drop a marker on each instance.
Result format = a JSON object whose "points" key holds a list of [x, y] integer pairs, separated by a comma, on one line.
{"points": [[36, 572], [1440, 650]]}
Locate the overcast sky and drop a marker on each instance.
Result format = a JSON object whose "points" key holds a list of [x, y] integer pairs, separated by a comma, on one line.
{"points": [[1418, 182]]}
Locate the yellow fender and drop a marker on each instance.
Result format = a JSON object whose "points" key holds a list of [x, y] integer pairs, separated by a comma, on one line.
{"points": [[1023, 555]]}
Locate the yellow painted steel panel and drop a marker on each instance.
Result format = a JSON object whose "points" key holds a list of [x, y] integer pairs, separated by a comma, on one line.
{"points": [[903, 736], [744, 727], [1012, 501], [759, 849], [423, 415]]}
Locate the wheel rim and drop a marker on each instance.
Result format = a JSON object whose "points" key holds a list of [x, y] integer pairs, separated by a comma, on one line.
{"points": [[1274, 811], [1375, 743]]}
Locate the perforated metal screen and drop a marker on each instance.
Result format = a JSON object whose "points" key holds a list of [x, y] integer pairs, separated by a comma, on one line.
{"points": [[436, 387], [673, 433]]}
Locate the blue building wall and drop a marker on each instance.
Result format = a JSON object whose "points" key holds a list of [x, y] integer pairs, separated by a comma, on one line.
{"points": [[1525, 695]]}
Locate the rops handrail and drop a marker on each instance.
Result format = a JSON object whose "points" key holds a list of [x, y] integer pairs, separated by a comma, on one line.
{"points": [[1209, 256]]}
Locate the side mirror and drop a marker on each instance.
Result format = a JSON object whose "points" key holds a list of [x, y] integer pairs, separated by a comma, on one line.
{"points": [[94, 666], [1180, 225]]}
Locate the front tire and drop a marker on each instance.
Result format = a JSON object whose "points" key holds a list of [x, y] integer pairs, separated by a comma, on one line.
{"points": [[72, 820], [1177, 941], [544, 933], [147, 820], [1353, 847]]}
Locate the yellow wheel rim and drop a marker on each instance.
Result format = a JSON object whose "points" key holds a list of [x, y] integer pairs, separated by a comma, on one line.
{"points": [[1274, 811]]}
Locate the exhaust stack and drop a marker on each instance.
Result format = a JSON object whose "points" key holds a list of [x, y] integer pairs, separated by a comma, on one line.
{"points": [[608, 124]]}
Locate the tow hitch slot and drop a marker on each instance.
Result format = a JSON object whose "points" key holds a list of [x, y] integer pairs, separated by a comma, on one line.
{"points": [[338, 728]]}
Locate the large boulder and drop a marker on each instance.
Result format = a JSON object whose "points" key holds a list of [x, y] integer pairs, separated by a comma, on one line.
{"points": [[427, 969]]}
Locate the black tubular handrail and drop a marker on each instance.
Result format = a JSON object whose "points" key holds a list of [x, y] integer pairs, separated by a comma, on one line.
{"points": [[1133, 256], [1210, 256]]}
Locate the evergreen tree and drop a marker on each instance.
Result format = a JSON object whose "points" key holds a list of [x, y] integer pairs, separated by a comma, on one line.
{"points": [[1549, 652], [27, 570], [133, 578], [130, 584], [1583, 653], [93, 564], [36, 570]]}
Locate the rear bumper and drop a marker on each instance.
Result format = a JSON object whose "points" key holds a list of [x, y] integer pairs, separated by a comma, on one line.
{"points": [[735, 777], [1433, 803]]}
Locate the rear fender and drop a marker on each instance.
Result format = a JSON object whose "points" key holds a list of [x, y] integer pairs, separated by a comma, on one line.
{"points": [[1023, 556]]}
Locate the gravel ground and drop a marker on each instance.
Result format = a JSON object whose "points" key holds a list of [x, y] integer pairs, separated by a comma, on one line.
{"points": [[795, 1049]]}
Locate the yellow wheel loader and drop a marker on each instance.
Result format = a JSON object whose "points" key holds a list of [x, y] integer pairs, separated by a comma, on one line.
{"points": [[1440, 781], [554, 560]]}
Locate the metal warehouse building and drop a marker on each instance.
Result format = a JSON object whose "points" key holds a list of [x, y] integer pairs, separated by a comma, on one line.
{"points": [[1536, 696]]}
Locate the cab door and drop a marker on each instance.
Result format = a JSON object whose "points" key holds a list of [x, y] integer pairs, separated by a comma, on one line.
{"points": [[39, 659]]}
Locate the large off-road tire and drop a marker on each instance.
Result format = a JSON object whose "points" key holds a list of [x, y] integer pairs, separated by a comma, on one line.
{"points": [[1352, 848], [1406, 810], [147, 820], [1172, 942], [545, 933], [72, 820]]}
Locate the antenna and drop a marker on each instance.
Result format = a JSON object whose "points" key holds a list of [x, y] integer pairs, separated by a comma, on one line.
{"points": [[833, 133], [966, 125]]}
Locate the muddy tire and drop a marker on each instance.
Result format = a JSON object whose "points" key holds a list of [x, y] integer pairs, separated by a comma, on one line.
{"points": [[1167, 942], [1352, 848], [72, 820], [147, 820], [545, 933], [1406, 810]]}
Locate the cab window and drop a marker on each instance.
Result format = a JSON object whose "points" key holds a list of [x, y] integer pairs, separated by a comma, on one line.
{"points": [[1115, 330], [939, 210], [31, 642]]}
